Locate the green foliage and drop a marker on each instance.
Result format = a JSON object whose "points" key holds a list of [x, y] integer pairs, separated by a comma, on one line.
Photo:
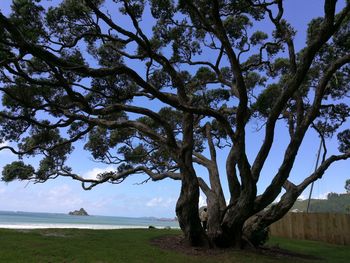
{"points": [[347, 186], [258, 37], [253, 79], [162, 9], [205, 75], [314, 29], [69, 19], [27, 15], [21, 93], [136, 155], [160, 79], [331, 118], [342, 37], [235, 25], [97, 144], [108, 55], [280, 66], [266, 99], [17, 170], [344, 141]]}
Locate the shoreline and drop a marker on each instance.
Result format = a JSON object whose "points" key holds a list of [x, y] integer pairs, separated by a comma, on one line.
{"points": [[29, 220], [78, 226], [67, 226]]}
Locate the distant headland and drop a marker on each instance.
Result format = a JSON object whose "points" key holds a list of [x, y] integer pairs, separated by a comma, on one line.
{"points": [[80, 212]]}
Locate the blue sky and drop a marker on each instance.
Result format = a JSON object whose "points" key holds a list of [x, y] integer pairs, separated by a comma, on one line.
{"points": [[159, 198]]}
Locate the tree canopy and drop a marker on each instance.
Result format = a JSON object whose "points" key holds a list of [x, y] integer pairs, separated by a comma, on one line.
{"points": [[347, 186], [157, 86]]}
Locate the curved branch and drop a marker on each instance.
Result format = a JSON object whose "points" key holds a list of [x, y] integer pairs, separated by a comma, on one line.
{"points": [[167, 98], [327, 30], [110, 124], [321, 169], [48, 149], [274, 188], [144, 111]]}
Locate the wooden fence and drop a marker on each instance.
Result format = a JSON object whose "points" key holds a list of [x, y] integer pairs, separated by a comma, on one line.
{"points": [[331, 228]]}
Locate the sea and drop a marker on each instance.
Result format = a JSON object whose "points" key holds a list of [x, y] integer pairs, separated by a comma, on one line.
{"points": [[28, 220]]}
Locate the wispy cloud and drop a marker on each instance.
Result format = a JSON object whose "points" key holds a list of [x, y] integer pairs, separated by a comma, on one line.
{"points": [[64, 193], [103, 202], [322, 196], [91, 174], [318, 196], [56, 199], [161, 202]]}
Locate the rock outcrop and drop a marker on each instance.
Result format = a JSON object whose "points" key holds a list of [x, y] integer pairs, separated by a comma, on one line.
{"points": [[80, 212]]}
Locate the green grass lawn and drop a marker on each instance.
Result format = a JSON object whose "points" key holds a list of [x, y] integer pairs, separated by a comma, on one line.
{"points": [[75, 245]]}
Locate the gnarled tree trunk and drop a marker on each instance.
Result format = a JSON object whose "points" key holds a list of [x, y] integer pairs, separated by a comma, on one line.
{"points": [[187, 210], [187, 204]]}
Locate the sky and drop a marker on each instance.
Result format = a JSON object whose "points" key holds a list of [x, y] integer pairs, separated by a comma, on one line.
{"points": [[159, 198]]}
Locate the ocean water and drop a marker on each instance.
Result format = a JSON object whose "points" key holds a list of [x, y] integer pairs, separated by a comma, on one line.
{"points": [[27, 220]]}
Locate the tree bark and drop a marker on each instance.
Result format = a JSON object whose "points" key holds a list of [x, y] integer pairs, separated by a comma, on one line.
{"points": [[187, 204], [260, 221], [214, 230], [187, 210]]}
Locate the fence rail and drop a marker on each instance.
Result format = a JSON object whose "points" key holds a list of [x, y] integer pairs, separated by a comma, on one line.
{"points": [[331, 228]]}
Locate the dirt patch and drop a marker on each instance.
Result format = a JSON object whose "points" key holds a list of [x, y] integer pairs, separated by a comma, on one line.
{"points": [[52, 233], [178, 244]]}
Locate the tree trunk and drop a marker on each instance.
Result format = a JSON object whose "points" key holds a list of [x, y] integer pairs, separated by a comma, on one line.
{"points": [[256, 225], [235, 218], [187, 210], [214, 232], [187, 204]]}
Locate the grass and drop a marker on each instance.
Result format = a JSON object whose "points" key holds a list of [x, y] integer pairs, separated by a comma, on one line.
{"points": [[328, 252], [133, 245]]}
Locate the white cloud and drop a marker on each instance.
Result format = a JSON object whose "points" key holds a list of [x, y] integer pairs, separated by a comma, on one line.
{"points": [[95, 171], [319, 196], [161, 202], [303, 197], [102, 203], [323, 196], [56, 197], [60, 198]]}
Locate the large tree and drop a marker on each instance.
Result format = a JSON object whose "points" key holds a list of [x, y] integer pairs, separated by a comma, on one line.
{"points": [[160, 87]]}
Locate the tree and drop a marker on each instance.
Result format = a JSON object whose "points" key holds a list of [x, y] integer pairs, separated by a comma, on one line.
{"points": [[347, 186], [203, 74]]}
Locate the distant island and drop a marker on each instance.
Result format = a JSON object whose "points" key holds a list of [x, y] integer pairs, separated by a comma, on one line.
{"points": [[80, 212], [167, 219]]}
